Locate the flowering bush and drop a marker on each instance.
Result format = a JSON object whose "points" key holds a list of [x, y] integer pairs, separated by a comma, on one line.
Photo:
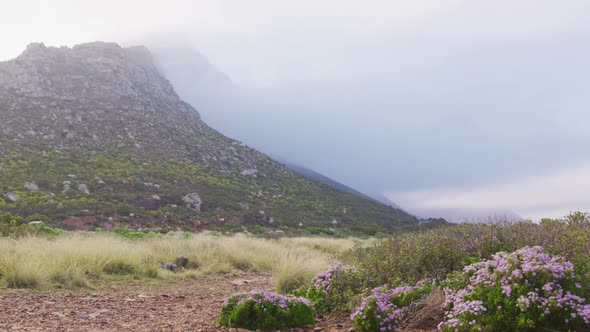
{"points": [[385, 307], [521, 291], [320, 287], [264, 310]]}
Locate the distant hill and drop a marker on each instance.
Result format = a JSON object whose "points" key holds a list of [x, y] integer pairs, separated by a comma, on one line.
{"points": [[384, 200], [324, 179], [468, 215], [94, 136]]}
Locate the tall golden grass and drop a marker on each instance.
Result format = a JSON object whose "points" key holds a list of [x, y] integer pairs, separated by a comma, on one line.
{"points": [[78, 259]]}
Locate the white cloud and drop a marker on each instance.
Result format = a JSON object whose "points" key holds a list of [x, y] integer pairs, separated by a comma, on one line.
{"points": [[546, 195]]}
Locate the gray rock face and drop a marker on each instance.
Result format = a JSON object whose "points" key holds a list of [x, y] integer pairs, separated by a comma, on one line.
{"points": [[31, 186], [100, 96], [67, 186], [193, 201], [12, 196], [83, 187]]}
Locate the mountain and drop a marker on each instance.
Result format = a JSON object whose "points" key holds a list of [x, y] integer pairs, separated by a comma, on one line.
{"points": [[95, 136], [379, 197], [467, 215], [222, 104], [195, 78]]}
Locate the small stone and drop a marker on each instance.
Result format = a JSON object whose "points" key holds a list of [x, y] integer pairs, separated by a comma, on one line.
{"points": [[31, 186], [170, 267]]}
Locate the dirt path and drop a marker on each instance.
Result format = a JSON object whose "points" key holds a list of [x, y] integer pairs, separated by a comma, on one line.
{"points": [[153, 305]]}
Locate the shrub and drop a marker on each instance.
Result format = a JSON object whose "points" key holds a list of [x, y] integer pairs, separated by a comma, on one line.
{"points": [[527, 290], [384, 309], [321, 285], [50, 230], [266, 310], [182, 261], [433, 254]]}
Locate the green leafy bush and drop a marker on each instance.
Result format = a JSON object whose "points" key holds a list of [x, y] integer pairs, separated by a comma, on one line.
{"points": [[527, 290], [384, 309], [50, 230], [15, 226], [266, 310]]}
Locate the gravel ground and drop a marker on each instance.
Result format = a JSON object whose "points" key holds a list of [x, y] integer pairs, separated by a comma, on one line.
{"points": [[138, 305]]}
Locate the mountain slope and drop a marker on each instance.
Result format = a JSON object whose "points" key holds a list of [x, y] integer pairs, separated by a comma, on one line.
{"points": [[329, 181], [95, 136]]}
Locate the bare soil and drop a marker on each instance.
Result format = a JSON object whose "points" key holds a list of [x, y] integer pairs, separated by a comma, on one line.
{"points": [[139, 305]]}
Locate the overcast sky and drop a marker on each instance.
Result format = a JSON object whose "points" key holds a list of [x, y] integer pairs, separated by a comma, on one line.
{"points": [[438, 104]]}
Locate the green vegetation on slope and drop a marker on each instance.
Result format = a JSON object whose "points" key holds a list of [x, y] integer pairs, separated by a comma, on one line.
{"points": [[140, 193]]}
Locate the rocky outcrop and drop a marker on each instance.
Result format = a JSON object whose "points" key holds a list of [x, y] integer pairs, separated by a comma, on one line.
{"points": [[193, 201], [100, 96]]}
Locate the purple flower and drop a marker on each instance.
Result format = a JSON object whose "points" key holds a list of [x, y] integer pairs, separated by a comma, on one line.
{"points": [[528, 278]]}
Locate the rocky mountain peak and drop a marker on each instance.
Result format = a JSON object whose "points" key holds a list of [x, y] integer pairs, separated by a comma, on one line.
{"points": [[94, 70]]}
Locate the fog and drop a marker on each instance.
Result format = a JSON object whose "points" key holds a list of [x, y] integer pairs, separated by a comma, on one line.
{"points": [[436, 104]]}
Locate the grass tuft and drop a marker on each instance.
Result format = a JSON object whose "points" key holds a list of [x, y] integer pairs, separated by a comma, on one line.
{"points": [[77, 259]]}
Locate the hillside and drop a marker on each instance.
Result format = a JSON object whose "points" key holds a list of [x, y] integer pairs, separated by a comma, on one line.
{"points": [[94, 136], [329, 181]]}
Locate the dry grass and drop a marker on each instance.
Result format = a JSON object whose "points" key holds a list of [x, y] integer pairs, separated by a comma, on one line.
{"points": [[75, 260]]}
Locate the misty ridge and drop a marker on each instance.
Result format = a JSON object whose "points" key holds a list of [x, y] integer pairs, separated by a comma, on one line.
{"points": [[435, 143]]}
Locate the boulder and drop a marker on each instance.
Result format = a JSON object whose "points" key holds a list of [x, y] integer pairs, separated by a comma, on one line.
{"points": [[193, 201], [83, 187], [12, 196]]}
